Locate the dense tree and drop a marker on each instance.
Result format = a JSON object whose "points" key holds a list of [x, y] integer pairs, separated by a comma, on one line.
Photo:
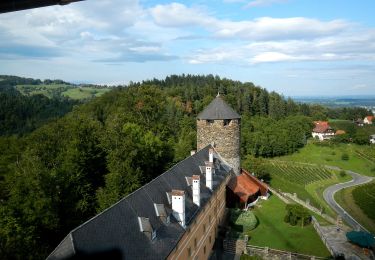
{"points": [[68, 169]]}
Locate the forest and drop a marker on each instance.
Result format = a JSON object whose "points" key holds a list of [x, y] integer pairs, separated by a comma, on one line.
{"points": [[72, 164]]}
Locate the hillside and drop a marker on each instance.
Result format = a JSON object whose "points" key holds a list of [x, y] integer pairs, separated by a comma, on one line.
{"points": [[70, 168], [26, 104]]}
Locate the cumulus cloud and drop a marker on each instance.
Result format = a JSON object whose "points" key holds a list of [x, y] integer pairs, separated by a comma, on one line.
{"points": [[91, 30], [256, 3], [124, 30], [264, 28]]}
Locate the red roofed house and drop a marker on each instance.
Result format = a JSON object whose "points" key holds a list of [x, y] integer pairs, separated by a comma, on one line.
{"points": [[245, 189], [322, 130], [368, 120]]}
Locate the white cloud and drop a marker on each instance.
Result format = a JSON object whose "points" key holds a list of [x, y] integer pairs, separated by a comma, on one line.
{"points": [[264, 28], [256, 3]]}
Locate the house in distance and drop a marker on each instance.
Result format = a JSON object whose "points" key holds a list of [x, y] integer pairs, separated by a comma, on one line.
{"points": [[322, 131], [178, 214]]}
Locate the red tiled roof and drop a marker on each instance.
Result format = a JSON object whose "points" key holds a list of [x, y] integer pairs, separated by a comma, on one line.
{"points": [[370, 118], [246, 185], [262, 186], [321, 127]]}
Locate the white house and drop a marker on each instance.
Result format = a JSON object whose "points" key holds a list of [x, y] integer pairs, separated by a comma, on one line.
{"points": [[372, 139], [322, 131]]}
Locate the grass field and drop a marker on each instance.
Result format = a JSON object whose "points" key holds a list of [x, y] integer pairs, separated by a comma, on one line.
{"points": [[83, 93], [361, 160], [308, 181], [331, 155], [58, 90], [346, 200], [273, 232]]}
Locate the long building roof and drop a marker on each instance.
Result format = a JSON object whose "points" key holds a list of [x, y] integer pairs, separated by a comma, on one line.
{"points": [[217, 110], [116, 231]]}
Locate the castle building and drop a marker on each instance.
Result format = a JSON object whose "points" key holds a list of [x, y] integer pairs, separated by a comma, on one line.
{"points": [[219, 125], [176, 215]]}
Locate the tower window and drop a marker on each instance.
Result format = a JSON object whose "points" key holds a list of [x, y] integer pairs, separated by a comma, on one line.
{"points": [[209, 122], [226, 122]]}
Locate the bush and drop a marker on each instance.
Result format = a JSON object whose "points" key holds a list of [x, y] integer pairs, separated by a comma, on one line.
{"points": [[342, 173], [345, 157], [296, 213], [243, 221]]}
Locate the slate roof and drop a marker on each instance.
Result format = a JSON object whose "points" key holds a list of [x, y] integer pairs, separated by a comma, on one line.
{"points": [[217, 110], [116, 233]]}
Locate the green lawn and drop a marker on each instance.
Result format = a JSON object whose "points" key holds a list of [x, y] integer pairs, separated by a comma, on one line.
{"points": [[273, 232], [331, 155], [83, 93]]}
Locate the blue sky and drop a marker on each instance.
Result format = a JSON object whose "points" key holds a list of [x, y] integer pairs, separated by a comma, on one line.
{"points": [[294, 47]]}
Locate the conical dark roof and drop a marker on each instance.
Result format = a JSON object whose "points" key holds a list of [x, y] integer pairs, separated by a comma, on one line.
{"points": [[218, 109]]}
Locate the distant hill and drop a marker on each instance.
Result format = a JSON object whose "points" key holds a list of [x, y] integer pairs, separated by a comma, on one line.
{"points": [[26, 104], [340, 101]]}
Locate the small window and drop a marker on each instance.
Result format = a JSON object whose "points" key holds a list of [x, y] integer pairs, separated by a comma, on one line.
{"points": [[204, 250], [195, 243], [226, 122], [204, 228], [209, 122], [189, 251], [209, 239], [210, 218]]}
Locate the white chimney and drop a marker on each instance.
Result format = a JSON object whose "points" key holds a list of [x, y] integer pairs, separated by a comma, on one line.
{"points": [[211, 155], [196, 190], [178, 206], [209, 172], [192, 152]]}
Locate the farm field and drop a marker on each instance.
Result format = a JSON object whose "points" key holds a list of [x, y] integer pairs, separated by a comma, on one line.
{"points": [[359, 157], [347, 200], [307, 181], [59, 90], [83, 93], [273, 232]]}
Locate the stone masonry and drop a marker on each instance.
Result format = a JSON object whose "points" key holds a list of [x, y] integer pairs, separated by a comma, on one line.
{"points": [[225, 138]]}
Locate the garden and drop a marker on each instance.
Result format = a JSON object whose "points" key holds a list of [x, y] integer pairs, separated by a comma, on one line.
{"points": [[266, 227]]}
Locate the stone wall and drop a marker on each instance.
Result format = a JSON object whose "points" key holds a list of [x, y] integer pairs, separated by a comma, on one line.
{"points": [[226, 139]]}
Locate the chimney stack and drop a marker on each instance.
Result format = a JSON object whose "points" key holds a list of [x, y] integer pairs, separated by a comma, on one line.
{"points": [[178, 206], [196, 190], [192, 152], [211, 155], [209, 172]]}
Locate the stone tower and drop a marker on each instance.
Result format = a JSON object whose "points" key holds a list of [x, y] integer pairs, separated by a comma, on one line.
{"points": [[219, 124]]}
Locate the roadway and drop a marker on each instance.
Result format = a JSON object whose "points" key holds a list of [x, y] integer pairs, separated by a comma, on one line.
{"points": [[330, 192]]}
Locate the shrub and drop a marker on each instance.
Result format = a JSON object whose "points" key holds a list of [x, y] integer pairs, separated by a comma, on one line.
{"points": [[243, 220], [345, 157], [287, 218], [297, 213], [342, 173]]}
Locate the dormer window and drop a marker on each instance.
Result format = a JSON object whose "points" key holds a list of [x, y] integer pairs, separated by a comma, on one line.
{"points": [[146, 227], [226, 122], [161, 212]]}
